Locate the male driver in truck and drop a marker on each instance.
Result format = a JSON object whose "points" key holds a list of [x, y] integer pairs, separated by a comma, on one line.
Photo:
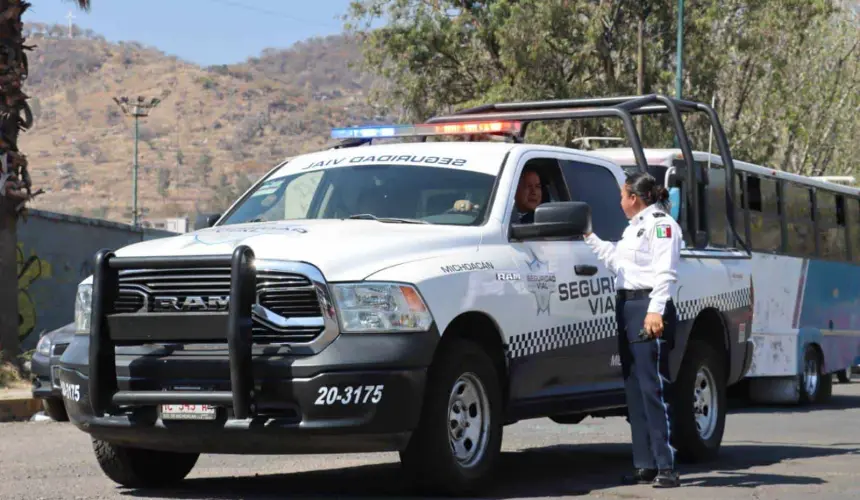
{"points": [[527, 198]]}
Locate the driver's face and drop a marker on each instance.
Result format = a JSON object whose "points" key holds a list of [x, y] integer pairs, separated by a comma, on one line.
{"points": [[528, 192]]}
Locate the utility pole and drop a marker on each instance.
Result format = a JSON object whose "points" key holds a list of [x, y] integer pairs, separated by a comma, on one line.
{"points": [[70, 16], [138, 109], [680, 46]]}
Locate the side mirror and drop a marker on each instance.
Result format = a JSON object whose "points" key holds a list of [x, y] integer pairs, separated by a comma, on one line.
{"points": [[556, 219], [206, 220], [675, 201]]}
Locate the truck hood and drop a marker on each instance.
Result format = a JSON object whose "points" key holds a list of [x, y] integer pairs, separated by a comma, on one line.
{"points": [[341, 249]]}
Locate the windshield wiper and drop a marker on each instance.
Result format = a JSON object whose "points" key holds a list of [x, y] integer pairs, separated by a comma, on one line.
{"points": [[387, 219]]}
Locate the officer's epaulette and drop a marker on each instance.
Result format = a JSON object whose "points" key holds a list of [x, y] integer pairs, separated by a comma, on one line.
{"points": [[659, 214]]}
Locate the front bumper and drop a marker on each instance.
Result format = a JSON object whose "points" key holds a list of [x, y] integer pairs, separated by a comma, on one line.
{"points": [[363, 393], [352, 393], [45, 373]]}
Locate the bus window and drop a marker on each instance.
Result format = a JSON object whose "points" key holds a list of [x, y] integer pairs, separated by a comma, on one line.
{"points": [[831, 225], [853, 211], [740, 207], [717, 205], [764, 214], [798, 214]]}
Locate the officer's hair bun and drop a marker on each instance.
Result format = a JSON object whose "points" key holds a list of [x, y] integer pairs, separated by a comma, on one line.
{"points": [[660, 194], [645, 186]]}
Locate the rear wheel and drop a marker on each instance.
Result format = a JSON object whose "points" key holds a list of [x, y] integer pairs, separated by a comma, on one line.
{"points": [[700, 403], [457, 444], [141, 468]]}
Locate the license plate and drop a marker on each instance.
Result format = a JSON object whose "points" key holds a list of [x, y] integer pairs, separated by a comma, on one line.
{"points": [[188, 412]]}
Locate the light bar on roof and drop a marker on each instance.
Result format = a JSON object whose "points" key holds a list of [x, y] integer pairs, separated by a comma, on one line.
{"points": [[423, 129]]}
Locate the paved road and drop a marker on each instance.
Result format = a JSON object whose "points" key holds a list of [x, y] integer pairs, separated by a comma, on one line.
{"points": [[769, 453]]}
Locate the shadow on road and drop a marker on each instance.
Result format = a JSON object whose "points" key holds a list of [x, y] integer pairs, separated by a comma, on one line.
{"points": [[553, 471], [837, 402]]}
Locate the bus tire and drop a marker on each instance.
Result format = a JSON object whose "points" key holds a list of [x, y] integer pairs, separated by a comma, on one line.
{"points": [[142, 468], [844, 376], [462, 411], [699, 413], [814, 385]]}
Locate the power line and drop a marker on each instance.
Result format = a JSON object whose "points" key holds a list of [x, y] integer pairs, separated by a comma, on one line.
{"points": [[268, 12]]}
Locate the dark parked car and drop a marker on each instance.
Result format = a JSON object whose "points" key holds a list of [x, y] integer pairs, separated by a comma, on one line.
{"points": [[44, 367]]}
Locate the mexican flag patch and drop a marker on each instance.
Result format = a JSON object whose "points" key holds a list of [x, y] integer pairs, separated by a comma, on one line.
{"points": [[664, 231]]}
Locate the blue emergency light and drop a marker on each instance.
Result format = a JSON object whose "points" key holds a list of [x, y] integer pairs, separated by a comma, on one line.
{"points": [[423, 129]]}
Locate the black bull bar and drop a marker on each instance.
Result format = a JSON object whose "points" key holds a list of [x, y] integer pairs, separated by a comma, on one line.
{"points": [[108, 330]]}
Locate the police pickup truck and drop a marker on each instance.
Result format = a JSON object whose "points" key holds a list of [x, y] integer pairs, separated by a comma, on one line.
{"points": [[385, 297]]}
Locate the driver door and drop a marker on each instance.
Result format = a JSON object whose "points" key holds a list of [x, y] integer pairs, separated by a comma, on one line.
{"points": [[562, 305]]}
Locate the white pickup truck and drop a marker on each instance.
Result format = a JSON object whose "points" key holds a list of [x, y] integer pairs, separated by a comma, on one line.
{"points": [[348, 303]]}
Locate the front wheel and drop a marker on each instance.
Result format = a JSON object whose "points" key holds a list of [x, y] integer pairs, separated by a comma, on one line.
{"points": [[141, 468], [700, 403], [814, 385], [56, 409], [458, 441]]}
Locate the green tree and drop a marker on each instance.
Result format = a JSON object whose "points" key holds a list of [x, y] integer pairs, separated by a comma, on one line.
{"points": [[766, 64]]}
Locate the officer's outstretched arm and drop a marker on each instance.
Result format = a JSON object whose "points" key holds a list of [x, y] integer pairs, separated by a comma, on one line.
{"points": [[665, 255], [605, 251]]}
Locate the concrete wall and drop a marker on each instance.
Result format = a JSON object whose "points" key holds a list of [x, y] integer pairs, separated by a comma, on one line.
{"points": [[55, 252]]}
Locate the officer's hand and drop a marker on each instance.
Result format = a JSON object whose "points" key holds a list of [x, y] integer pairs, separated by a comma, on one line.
{"points": [[654, 324]]}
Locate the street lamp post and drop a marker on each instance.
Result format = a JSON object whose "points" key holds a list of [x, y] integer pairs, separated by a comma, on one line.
{"points": [[138, 109], [680, 47]]}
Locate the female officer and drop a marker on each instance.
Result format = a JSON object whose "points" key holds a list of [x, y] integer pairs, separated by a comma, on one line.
{"points": [[645, 265]]}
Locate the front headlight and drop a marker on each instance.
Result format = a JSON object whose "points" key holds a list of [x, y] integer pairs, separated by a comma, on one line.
{"points": [[44, 346], [380, 307], [83, 308]]}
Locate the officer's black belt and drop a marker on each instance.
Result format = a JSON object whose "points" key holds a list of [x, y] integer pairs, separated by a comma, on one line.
{"points": [[634, 294]]}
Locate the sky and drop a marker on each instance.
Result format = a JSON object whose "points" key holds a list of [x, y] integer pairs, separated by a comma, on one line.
{"points": [[201, 31]]}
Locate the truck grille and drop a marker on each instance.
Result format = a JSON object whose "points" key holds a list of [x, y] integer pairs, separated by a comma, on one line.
{"points": [[288, 295]]}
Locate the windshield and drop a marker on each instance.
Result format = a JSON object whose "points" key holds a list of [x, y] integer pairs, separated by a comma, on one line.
{"points": [[393, 193]]}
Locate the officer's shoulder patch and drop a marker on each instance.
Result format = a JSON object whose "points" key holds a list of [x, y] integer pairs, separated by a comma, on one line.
{"points": [[657, 215], [664, 231]]}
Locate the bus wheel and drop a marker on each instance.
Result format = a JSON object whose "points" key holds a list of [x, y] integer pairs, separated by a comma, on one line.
{"points": [[455, 449], [700, 403], [844, 376], [815, 386]]}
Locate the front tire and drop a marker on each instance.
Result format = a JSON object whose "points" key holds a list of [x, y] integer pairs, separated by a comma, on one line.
{"points": [[700, 403], [815, 386], [56, 409], [458, 441], [141, 468]]}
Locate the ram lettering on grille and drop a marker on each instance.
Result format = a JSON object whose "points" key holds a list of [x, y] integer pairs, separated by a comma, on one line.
{"points": [[280, 297]]}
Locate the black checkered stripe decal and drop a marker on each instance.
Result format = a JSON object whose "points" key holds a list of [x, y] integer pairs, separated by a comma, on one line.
{"points": [[526, 344], [736, 299]]}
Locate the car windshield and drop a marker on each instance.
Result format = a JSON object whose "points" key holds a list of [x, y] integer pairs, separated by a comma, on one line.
{"points": [[390, 193]]}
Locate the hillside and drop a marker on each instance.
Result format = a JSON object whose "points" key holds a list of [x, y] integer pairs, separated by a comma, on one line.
{"points": [[219, 128]]}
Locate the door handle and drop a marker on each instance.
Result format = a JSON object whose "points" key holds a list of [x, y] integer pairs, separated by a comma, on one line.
{"points": [[585, 270]]}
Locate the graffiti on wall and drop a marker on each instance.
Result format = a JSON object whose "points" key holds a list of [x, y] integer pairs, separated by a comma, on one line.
{"points": [[30, 270]]}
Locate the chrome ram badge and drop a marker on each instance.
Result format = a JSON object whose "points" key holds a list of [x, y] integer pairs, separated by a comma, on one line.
{"points": [[191, 303]]}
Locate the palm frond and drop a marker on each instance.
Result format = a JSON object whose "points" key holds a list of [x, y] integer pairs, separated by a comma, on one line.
{"points": [[82, 4]]}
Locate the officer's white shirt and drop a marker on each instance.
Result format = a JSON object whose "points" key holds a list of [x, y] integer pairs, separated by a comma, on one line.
{"points": [[646, 257]]}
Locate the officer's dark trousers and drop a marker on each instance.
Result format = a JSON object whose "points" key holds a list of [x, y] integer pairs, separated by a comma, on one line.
{"points": [[646, 382]]}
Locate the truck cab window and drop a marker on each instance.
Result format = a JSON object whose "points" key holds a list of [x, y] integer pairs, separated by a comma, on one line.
{"points": [[597, 186]]}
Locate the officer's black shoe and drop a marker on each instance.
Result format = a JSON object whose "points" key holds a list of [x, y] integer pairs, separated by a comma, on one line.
{"points": [[640, 476], [667, 478]]}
